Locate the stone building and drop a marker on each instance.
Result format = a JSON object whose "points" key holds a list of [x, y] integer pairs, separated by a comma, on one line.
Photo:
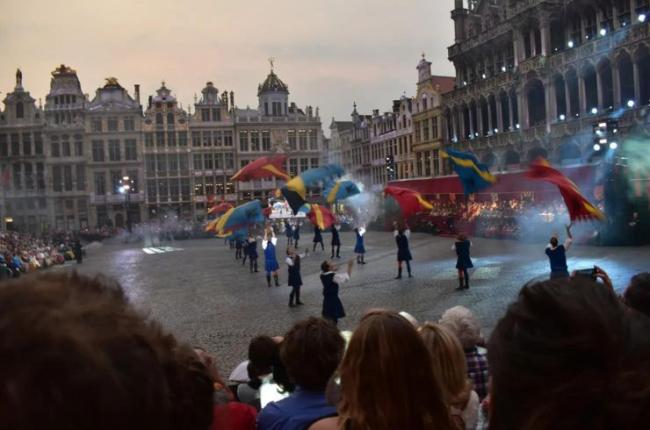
{"points": [[66, 181], [533, 77], [213, 150], [113, 149], [276, 127], [23, 198], [340, 132], [428, 121], [356, 152], [167, 167]]}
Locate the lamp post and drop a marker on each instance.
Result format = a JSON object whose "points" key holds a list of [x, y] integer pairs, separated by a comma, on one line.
{"points": [[125, 188]]}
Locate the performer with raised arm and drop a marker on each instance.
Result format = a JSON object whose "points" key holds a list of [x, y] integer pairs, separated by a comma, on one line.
{"points": [[271, 265], [359, 247], [332, 306], [557, 254], [464, 262], [402, 235], [295, 279], [318, 238], [336, 239]]}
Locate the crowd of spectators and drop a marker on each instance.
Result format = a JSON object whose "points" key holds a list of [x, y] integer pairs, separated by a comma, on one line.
{"points": [[22, 253], [567, 354]]}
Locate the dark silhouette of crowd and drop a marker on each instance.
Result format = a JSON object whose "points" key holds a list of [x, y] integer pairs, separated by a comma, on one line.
{"points": [[567, 354]]}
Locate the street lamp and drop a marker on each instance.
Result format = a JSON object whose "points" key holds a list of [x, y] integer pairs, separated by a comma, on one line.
{"points": [[125, 188]]}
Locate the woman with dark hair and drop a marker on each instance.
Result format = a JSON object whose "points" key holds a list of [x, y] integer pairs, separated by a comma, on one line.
{"points": [[387, 380], [271, 265], [403, 251], [569, 355], [332, 306], [637, 294], [464, 261]]}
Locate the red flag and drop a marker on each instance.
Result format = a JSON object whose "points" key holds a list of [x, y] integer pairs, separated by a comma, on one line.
{"points": [[579, 207], [262, 168], [320, 216], [219, 209], [411, 202]]}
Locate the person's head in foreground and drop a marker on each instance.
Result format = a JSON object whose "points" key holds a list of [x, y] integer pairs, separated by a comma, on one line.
{"points": [[568, 355], [449, 366], [311, 352], [637, 294], [387, 380], [75, 354], [462, 322]]}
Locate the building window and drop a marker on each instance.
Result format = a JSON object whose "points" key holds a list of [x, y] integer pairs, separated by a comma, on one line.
{"points": [[208, 162], [55, 148], [292, 140], [207, 138], [170, 120], [160, 139], [56, 178], [130, 150], [302, 140], [243, 141], [227, 138], [4, 148], [293, 167], [425, 130], [266, 141], [15, 144], [229, 160], [27, 144], [150, 165], [20, 110], [435, 134], [182, 138], [67, 177], [96, 125], [114, 150], [100, 183], [314, 163], [98, 151], [216, 114], [196, 138], [171, 138], [116, 181], [304, 164], [129, 123], [40, 176], [172, 164], [65, 147], [81, 177], [159, 118], [313, 140], [183, 163], [255, 141], [148, 140], [218, 161], [217, 137], [161, 164], [205, 115], [78, 148], [198, 162], [151, 190], [29, 176], [111, 124]]}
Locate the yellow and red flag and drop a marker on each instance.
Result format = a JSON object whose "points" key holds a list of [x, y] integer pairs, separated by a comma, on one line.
{"points": [[580, 209], [409, 201], [212, 225], [263, 168], [321, 217], [219, 209]]}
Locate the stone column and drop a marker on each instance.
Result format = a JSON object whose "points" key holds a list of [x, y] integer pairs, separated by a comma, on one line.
{"points": [[545, 30], [567, 98], [533, 45], [549, 105], [489, 112], [522, 111], [472, 123], [479, 120], [511, 112], [581, 94], [599, 88], [500, 124], [637, 82], [616, 82], [517, 41]]}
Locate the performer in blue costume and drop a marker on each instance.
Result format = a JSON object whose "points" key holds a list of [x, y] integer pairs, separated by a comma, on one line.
{"points": [[336, 240], [332, 306], [271, 265], [359, 247], [251, 251], [464, 261]]}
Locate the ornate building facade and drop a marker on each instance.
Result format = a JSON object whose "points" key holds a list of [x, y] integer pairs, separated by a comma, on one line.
{"points": [[532, 77], [22, 161], [113, 149], [277, 126]]}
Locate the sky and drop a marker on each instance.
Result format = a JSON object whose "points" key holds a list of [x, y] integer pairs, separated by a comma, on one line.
{"points": [[329, 52]]}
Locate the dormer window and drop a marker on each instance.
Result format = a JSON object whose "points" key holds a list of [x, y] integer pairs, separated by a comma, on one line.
{"points": [[20, 110]]}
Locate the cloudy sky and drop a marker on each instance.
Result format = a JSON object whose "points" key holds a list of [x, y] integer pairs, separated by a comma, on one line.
{"points": [[329, 52]]}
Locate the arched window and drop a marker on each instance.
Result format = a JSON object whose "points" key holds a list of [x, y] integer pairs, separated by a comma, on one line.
{"points": [[626, 77], [505, 111], [515, 108], [591, 87], [536, 102], [560, 95], [159, 118], [574, 94], [20, 110], [492, 101], [643, 64], [485, 124], [606, 84], [170, 119]]}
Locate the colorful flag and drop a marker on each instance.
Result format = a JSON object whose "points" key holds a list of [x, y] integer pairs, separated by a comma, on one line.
{"points": [[263, 168], [321, 217], [580, 209], [295, 191], [212, 226], [474, 176], [220, 208], [240, 218], [340, 190], [409, 201]]}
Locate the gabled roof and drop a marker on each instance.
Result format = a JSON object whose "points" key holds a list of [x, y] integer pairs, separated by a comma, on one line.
{"points": [[446, 83]]}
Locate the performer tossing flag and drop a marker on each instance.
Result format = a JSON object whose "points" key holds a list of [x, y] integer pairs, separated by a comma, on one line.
{"points": [[580, 209], [409, 201], [474, 176]]}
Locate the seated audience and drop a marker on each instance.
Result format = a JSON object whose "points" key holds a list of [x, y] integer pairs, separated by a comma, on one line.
{"points": [[77, 355], [387, 380], [450, 370], [462, 322], [637, 294], [568, 355], [311, 352]]}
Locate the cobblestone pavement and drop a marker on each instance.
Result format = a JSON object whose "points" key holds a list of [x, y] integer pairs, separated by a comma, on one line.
{"points": [[200, 293]]}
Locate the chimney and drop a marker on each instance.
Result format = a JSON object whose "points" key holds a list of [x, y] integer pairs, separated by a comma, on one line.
{"points": [[136, 92]]}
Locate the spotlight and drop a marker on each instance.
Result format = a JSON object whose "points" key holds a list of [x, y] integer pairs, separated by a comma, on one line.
{"points": [[594, 111], [503, 68], [562, 117], [496, 130], [464, 83], [570, 44], [483, 76], [603, 31], [596, 147], [630, 103], [517, 126], [642, 17], [613, 145]]}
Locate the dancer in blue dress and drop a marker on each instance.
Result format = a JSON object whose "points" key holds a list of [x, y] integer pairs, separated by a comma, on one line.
{"points": [[318, 238], [359, 247], [332, 307], [271, 265], [464, 261]]}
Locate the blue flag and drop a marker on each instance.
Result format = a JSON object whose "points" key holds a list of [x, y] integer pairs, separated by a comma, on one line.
{"points": [[474, 176]]}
